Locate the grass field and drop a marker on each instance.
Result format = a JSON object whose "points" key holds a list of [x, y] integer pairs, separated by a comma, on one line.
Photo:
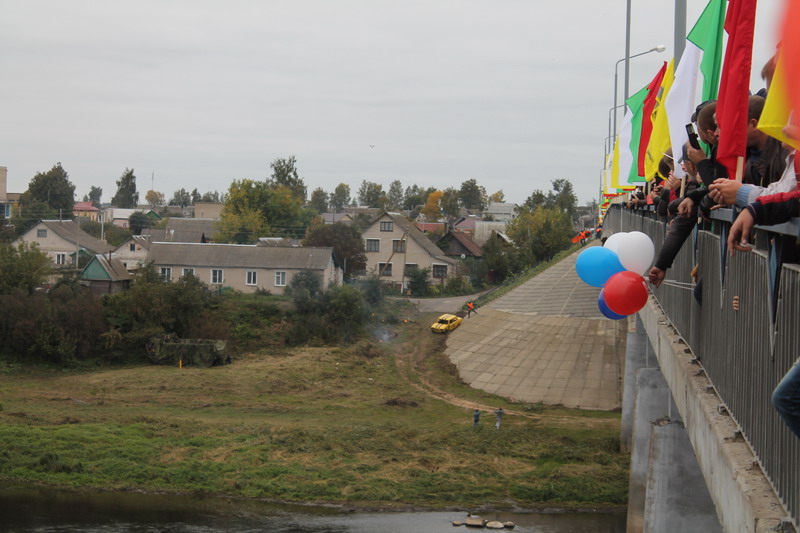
{"points": [[381, 425]]}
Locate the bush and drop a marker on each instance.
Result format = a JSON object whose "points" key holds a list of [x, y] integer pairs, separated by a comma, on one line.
{"points": [[154, 307], [374, 290], [46, 327], [419, 281], [305, 290], [457, 285]]}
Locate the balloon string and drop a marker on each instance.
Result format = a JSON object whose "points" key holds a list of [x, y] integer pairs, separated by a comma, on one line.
{"points": [[679, 284]]}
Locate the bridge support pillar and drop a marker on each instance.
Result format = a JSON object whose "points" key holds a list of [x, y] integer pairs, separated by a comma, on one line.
{"points": [[677, 498], [667, 491], [635, 359]]}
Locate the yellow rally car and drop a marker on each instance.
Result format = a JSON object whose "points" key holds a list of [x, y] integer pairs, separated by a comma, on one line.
{"points": [[446, 323]]}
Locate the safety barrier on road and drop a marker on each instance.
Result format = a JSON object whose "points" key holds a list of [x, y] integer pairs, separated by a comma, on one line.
{"points": [[745, 352]]}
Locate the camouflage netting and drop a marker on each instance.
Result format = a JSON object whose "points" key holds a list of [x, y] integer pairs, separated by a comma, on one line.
{"points": [[169, 350]]}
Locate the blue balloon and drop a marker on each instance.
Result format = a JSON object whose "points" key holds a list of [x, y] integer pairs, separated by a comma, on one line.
{"points": [[608, 313], [596, 264]]}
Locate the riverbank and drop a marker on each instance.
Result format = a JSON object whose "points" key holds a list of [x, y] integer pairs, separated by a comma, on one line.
{"points": [[386, 426]]}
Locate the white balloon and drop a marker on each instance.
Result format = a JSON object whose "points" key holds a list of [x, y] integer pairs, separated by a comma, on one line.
{"points": [[636, 252], [613, 242]]}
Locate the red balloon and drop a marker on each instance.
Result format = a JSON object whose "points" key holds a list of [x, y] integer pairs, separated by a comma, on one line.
{"points": [[625, 292]]}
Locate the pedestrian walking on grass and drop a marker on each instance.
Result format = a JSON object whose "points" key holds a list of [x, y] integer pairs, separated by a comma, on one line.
{"points": [[471, 308], [476, 417], [499, 412]]}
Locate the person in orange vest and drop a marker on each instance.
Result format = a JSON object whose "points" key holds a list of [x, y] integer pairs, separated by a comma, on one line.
{"points": [[471, 308]]}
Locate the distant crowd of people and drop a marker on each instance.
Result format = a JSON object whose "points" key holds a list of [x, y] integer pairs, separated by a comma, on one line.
{"points": [[767, 194]]}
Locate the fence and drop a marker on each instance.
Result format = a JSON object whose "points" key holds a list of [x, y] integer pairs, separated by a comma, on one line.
{"points": [[746, 352]]}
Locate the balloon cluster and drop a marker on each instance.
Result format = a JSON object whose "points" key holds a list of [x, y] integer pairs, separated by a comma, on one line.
{"points": [[617, 268]]}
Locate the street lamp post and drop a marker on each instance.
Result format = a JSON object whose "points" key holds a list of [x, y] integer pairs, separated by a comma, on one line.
{"points": [[610, 134], [659, 48]]}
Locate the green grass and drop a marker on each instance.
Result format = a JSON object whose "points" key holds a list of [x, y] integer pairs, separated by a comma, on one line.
{"points": [[310, 425]]}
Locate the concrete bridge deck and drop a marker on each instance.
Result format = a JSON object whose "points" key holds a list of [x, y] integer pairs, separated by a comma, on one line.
{"points": [[544, 341]]}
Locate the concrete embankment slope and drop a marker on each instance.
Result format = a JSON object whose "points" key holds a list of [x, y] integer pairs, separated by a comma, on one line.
{"points": [[544, 341]]}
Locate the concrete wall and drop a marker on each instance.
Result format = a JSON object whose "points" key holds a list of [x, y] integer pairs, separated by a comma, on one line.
{"points": [[742, 494], [667, 491]]}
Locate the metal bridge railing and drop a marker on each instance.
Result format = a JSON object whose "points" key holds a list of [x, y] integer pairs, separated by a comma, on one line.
{"points": [[746, 352]]}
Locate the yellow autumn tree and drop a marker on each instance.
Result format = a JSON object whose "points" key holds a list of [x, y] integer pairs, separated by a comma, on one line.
{"points": [[432, 209]]}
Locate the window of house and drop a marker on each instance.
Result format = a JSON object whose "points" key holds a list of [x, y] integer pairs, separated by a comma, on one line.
{"points": [[399, 246], [61, 259], [166, 273], [280, 279], [251, 277], [410, 267], [385, 269], [387, 225], [133, 247], [373, 245], [216, 276], [439, 271], [41, 233], [188, 271]]}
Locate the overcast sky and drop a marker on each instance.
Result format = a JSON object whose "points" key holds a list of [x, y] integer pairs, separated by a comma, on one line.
{"points": [[513, 93]]}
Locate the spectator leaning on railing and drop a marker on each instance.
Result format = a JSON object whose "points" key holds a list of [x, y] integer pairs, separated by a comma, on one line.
{"points": [[680, 227], [764, 172], [770, 210]]}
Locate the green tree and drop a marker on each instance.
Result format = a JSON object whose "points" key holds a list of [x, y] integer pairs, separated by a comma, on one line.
{"points": [[540, 234], [30, 212], [347, 244], [536, 199], [137, 222], [449, 203], [211, 197], [340, 197], [305, 290], [564, 197], [126, 196], [319, 200], [395, 196], [114, 235], [370, 193], [195, 196], [416, 196], [345, 310], [284, 172], [51, 188], [181, 197], [23, 267], [153, 306], [497, 259], [95, 194], [244, 226], [473, 196], [419, 281]]}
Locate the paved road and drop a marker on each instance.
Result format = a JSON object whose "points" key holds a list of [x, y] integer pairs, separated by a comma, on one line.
{"points": [[443, 305], [545, 341]]}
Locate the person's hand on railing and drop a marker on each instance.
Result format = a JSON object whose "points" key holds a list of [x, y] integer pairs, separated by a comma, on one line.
{"points": [[685, 208], [723, 191], [740, 232], [656, 276]]}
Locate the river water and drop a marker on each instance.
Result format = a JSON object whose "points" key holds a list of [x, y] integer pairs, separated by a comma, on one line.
{"points": [[49, 510]]}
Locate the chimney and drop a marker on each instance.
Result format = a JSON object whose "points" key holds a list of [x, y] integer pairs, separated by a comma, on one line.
{"points": [[3, 184]]}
